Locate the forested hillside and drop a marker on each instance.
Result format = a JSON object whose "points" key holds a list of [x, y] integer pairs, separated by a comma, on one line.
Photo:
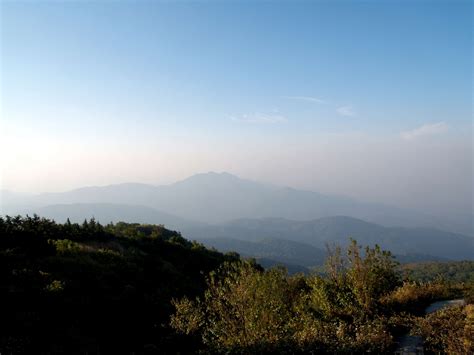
{"points": [[86, 287], [411, 243], [133, 288], [299, 257], [458, 271]]}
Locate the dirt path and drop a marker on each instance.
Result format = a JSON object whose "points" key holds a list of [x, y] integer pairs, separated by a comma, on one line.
{"points": [[411, 345]]}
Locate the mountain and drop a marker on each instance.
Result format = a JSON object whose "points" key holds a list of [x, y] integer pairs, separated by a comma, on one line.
{"points": [[108, 212], [271, 251], [220, 197], [410, 242]]}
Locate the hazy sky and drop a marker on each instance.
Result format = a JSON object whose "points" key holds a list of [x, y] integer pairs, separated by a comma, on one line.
{"points": [[366, 99]]}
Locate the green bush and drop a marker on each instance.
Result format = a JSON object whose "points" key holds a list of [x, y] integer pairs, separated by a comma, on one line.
{"points": [[246, 309]]}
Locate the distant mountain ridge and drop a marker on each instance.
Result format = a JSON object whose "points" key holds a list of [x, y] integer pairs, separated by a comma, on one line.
{"points": [[108, 212], [337, 230], [252, 216], [281, 251], [216, 198]]}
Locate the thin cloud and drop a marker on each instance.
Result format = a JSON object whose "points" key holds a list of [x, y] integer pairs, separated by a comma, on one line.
{"points": [[425, 130], [306, 98], [346, 111], [260, 118]]}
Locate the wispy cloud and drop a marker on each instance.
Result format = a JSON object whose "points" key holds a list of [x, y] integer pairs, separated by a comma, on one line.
{"points": [[306, 98], [260, 118], [346, 111], [425, 130]]}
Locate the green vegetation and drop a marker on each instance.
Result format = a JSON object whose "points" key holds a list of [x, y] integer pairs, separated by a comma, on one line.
{"points": [[76, 288], [455, 271], [132, 288], [360, 305], [449, 330], [246, 309]]}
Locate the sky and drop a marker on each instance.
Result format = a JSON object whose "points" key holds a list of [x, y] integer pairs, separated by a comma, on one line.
{"points": [[368, 99]]}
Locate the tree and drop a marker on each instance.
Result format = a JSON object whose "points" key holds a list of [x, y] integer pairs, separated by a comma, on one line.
{"points": [[244, 309], [371, 274]]}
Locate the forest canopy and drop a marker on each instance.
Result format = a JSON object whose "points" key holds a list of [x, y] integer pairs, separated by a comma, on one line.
{"points": [[126, 287], [87, 287]]}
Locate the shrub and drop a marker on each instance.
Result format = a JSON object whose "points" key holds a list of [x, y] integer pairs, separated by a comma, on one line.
{"points": [[415, 295], [449, 330], [244, 307]]}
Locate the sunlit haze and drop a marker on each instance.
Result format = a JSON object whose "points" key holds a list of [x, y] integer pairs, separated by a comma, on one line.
{"points": [[371, 100]]}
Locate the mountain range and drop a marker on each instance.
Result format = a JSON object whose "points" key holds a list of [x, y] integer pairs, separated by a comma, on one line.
{"points": [[221, 197], [410, 244], [111, 212], [296, 256], [276, 224]]}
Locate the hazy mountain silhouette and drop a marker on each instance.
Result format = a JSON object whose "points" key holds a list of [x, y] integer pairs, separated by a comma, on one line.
{"points": [[107, 212], [220, 197]]}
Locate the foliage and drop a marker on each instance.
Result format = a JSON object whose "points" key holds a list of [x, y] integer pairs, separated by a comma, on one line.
{"points": [[133, 288], [92, 288], [449, 330], [455, 271], [416, 295], [246, 309], [355, 283]]}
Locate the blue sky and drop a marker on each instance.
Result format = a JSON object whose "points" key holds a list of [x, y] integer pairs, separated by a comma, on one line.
{"points": [[223, 81]]}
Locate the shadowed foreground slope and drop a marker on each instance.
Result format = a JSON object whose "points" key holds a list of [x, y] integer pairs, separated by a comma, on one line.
{"points": [[70, 288], [76, 288]]}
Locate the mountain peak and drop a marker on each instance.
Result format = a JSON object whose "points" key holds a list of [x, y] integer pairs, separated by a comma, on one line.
{"points": [[216, 174], [211, 176]]}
